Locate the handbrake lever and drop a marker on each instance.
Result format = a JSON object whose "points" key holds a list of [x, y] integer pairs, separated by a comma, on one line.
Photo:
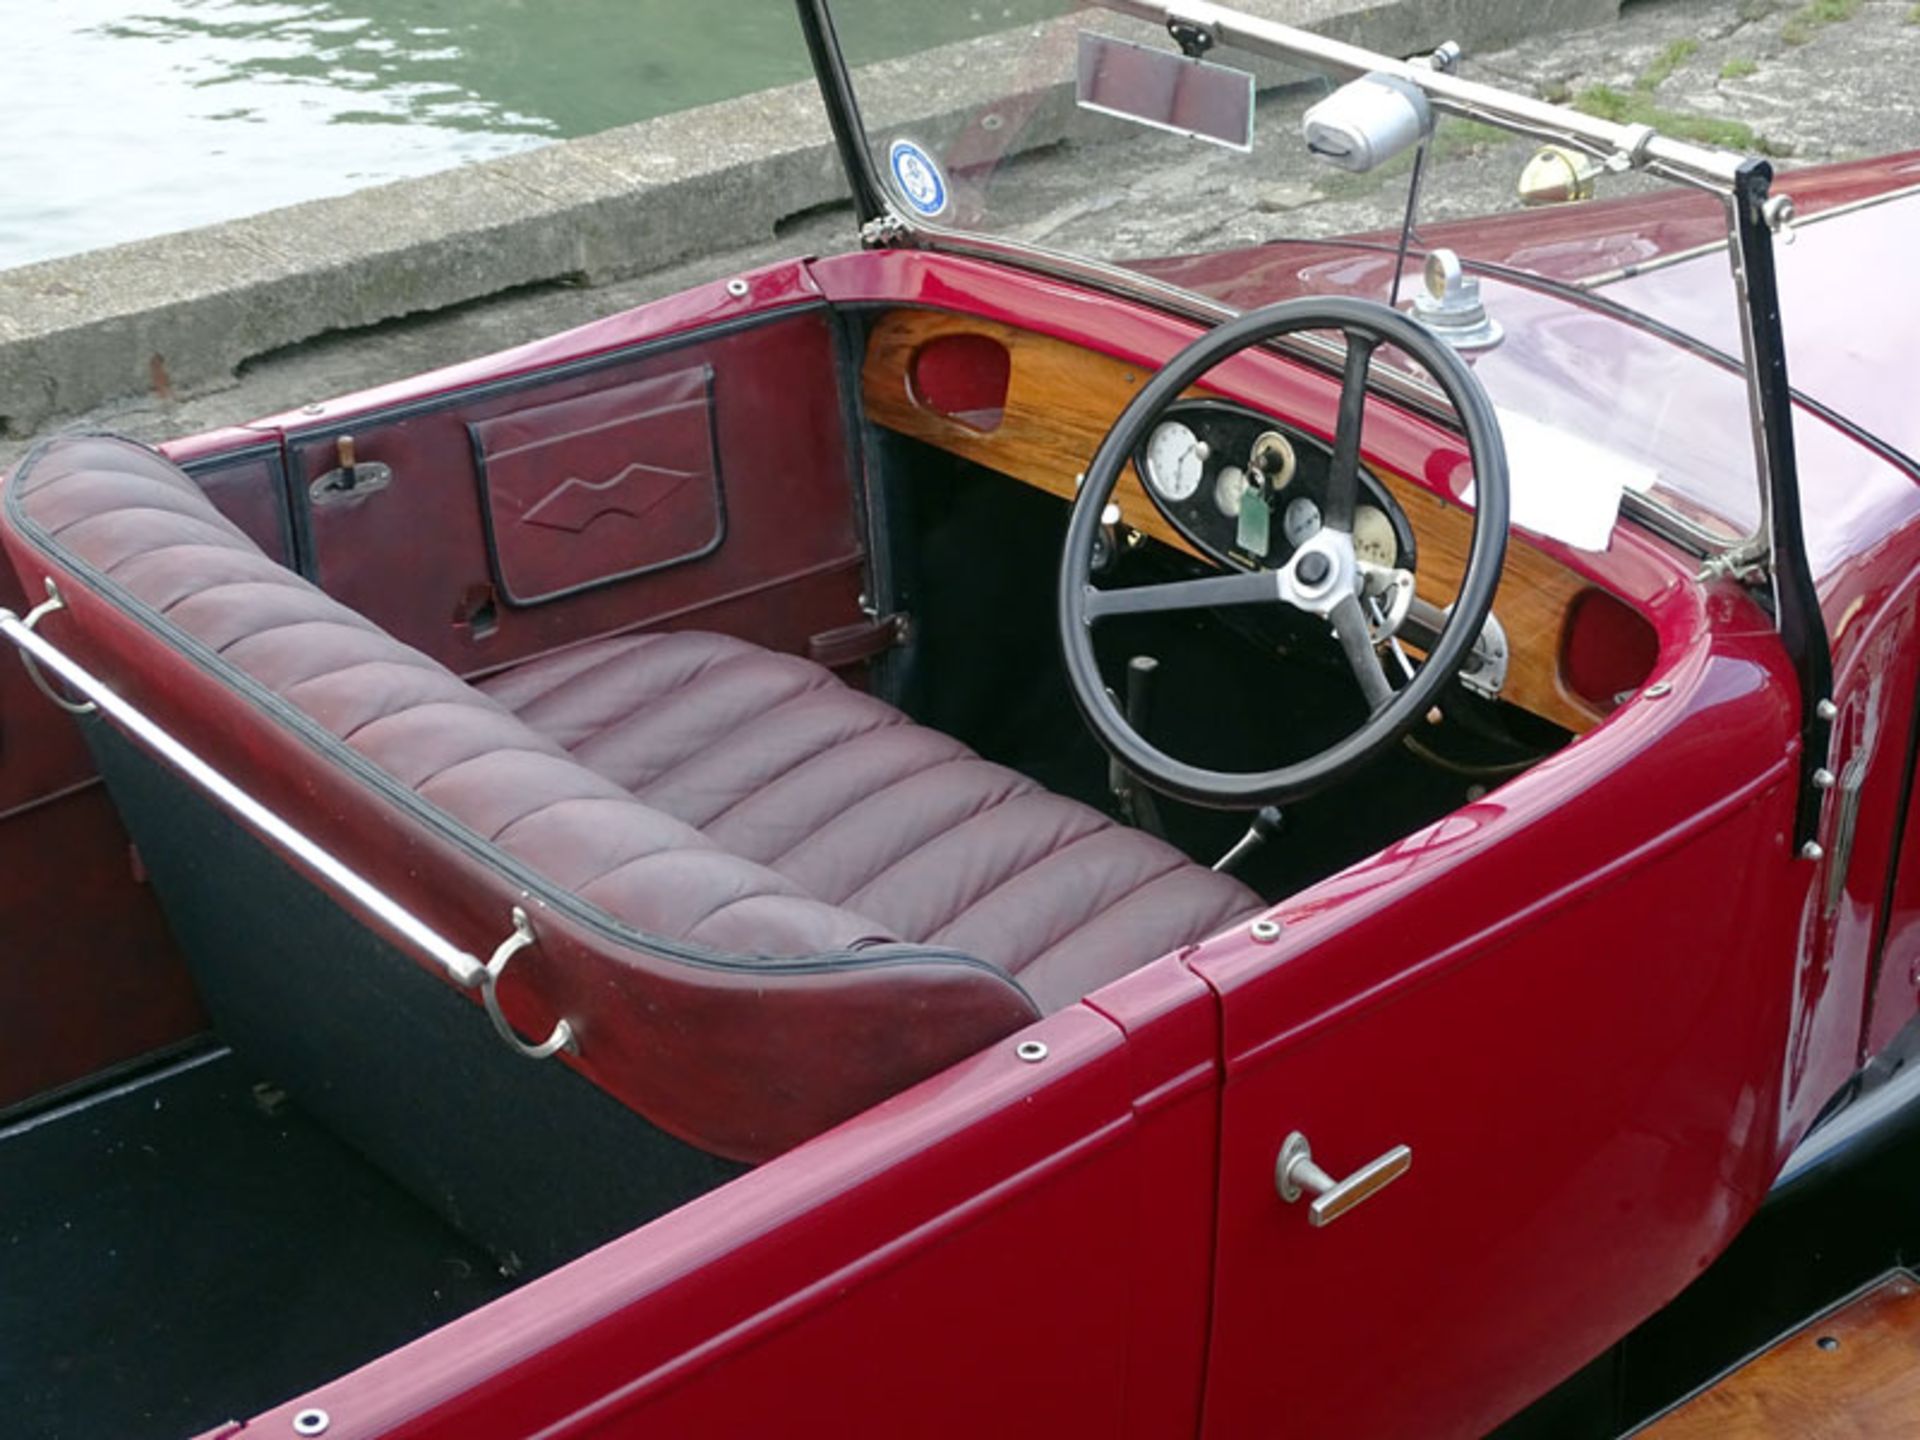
{"points": [[1135, 801], [1267, 823]]}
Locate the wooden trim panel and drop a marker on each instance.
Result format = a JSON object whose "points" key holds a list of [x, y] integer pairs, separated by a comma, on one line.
{"points": [[1060, 402], [1853, 1372]]}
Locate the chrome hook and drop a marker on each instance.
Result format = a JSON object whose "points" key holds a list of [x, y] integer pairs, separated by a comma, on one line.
{"points": [[520, 939], [32, 618]]}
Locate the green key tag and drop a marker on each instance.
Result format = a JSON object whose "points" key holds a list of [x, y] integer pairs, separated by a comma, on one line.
{"points": [[1256, 523]]}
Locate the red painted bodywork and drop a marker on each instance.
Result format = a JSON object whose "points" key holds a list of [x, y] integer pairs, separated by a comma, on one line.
{"points": [[1601, 1004], [87, 954]]}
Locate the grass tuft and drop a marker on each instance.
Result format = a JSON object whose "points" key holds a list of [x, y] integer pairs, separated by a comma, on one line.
{"points": [[1810, 17], [1634, 107], [1738, 68], [1664, 64]]}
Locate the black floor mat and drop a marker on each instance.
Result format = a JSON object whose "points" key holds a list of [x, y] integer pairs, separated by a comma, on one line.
{"points": [[186, 1250]]}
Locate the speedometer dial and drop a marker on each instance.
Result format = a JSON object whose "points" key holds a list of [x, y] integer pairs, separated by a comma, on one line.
{"points": [[1175, 457], [1373, 538]]}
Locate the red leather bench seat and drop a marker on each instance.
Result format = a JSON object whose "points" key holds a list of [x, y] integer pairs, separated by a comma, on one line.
{"points": [[765, 900], [778, 762]]}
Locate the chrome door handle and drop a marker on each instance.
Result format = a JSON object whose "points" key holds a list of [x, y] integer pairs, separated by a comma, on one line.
{"points": [[1294, 1173]]}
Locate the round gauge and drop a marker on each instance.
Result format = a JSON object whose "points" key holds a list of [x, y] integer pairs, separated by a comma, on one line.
{"points": [[1229, 490], [1302, 522], [1273, 457], [1374, 542], [1175, 456]]}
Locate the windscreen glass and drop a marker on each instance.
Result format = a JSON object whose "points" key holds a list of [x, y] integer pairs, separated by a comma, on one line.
{"points": [[1080, 132]]}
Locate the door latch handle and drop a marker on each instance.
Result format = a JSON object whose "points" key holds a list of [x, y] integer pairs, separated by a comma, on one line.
{"points": [[1295, 1174]]}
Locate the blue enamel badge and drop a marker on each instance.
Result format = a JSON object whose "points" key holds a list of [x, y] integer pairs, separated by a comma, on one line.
{"points": [[917, 178]]}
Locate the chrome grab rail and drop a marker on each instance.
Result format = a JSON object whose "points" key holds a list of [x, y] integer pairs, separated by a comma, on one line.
{"points": [[463, 968]]}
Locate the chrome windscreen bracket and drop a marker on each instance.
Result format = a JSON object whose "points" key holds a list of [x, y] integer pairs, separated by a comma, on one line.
{"points": [[883, 232], [1635, 142], [1485, 672]]}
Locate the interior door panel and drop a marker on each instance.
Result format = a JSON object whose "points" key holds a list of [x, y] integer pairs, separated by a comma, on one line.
{"points": [[706, 481], [602, 487], [250, 487]]}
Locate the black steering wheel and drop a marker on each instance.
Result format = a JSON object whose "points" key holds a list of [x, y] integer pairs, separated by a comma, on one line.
{"points": [[1322, 577]]}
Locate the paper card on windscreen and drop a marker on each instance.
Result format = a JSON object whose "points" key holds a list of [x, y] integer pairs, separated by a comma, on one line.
{"points": [[1564, 486]]}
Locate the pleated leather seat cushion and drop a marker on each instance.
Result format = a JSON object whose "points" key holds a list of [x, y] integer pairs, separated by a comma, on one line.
{"points": [[780, 763]]}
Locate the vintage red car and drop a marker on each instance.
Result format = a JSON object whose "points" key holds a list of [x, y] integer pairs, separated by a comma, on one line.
{"points": [[990, 834]]}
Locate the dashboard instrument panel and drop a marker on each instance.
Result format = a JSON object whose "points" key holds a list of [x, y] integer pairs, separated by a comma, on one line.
{"points": [[1235, 482], [1061, 399]]}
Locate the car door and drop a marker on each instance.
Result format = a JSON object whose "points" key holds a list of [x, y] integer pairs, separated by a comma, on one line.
{"points": [[1569, 1003]]}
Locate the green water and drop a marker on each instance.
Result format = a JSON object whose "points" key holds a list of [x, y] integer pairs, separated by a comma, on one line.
{"points": [[126, 118]]}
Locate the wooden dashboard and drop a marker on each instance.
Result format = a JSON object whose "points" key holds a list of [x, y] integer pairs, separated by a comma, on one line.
{"points": [[1060, 401]]}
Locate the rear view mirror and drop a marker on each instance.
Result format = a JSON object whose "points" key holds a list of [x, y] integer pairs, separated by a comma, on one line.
{"points": [[1167, 91]]}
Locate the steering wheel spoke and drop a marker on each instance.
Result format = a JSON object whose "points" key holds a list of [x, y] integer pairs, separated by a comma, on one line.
{"points": [[1343, 471], [1350, 628], [1246, 587]]}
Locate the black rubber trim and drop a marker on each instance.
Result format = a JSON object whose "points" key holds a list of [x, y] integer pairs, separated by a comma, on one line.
{"points": [[843, 110], [1242, 791], [328, 747]]}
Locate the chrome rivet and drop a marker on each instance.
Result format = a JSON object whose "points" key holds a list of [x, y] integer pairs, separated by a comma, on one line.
{"points": [[313, 407], [1031, 1051], [1265, 931], [1658, 690], [1826, 710], [738, 289], [1823, 779], [311, 1422], [1812, 850]]}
